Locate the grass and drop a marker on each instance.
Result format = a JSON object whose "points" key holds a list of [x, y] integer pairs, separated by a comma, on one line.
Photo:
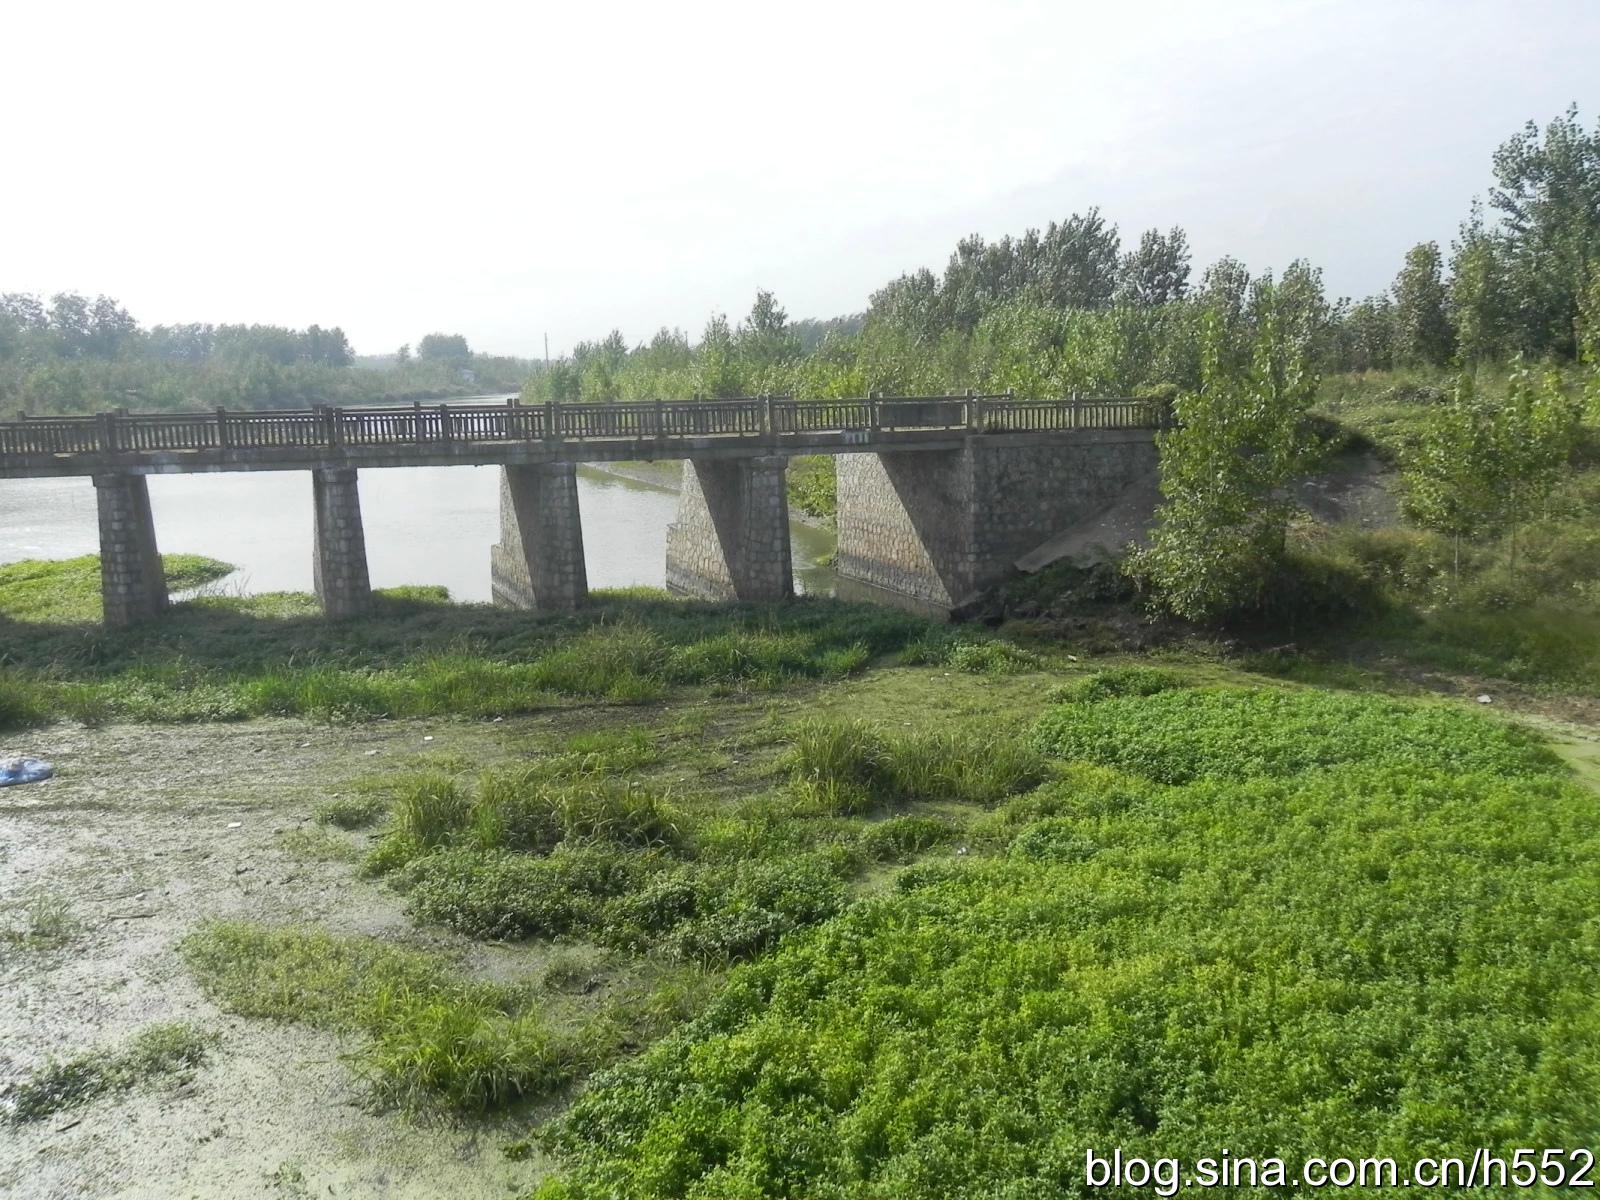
{"points": [[156, 1052], [854, 767], [68, 590], [47, 923], [1379, 941], [429, 1036], [352, 812], [220, 658]]}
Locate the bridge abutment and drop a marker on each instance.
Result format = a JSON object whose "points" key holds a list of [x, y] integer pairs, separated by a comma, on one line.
{"points": [[339, 567], [731, 538], [538, 562], [931, 530], [133, 583]]}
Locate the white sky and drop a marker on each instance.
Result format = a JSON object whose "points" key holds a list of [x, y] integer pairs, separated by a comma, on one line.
{"points": [[504, 171]]}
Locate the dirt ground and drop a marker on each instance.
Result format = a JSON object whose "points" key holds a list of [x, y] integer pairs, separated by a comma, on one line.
{"points": [[143, 832]]}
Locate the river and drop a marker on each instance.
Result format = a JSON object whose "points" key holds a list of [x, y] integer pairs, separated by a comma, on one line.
{"points": [[424, 525]]}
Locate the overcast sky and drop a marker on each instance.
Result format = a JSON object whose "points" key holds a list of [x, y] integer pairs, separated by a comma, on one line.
{"points": [[507, 171]]}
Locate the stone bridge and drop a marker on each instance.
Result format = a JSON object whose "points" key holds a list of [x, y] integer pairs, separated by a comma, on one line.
{"points": [[937, 494]]}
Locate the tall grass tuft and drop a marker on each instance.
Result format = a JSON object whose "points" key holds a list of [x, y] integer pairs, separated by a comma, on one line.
{"points": [[852, 767]]}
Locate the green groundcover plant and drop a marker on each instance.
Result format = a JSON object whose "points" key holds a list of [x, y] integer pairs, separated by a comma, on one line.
{"points": [[1388, 943]]}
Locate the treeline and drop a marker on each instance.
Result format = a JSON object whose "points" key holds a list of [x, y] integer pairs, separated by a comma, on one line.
{"points": [[73, 354], [1070, 309]]}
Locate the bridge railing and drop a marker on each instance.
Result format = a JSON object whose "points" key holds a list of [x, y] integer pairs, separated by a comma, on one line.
{"points": [[778, 418]]}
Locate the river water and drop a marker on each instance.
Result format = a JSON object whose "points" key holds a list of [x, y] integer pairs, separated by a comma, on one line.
{"points": [[424, 525]]}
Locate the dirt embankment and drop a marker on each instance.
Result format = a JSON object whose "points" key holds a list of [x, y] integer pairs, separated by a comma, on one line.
{"points": [[143, 833]]}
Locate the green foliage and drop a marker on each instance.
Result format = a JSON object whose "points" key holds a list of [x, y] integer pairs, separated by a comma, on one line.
{"points": [[970, 651], [1421, 328], [1480, 305], [1379, 953], [1228, 733], [813, 486], [352, 812], [531, 810], [225, 658], [1115, 681], [154, 1052], [854, 767], [901, 839], [1483, 466], [1547, 194], [430, 1033], [1220, 529], [47, 923]]}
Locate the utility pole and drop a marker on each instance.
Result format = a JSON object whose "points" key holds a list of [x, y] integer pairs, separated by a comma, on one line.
{"points": [[547, 352]]}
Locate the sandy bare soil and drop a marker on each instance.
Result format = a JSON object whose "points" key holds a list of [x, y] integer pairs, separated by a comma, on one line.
{"points": [[144, 832]]}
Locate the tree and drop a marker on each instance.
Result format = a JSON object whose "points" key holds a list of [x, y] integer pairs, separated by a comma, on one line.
{"points": [[1548, 198], [910, 304], [445, 348], [71, 324], [765, 337], [1367, 335], [1479, 294], [1482, 466], [719, 371], [1221, 527], [111, 328], [1077, 262], [1422, 330], [1224, 288], [403, 355], [1158, 271]]}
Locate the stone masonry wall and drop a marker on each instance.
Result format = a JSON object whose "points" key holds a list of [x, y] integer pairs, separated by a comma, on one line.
{"points": [[538, 562], [339, 558], [133, 584], [731, 538], [932, 529], [904, 522], [1024, 494]]}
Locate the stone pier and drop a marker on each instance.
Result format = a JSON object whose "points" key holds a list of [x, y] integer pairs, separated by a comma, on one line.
{"points": [[339, 567], [931, 530], [538, 562], [133, 585], [731, 538]]}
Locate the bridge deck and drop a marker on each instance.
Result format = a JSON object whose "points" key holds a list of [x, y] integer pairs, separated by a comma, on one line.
{"points": [[419, 435]]}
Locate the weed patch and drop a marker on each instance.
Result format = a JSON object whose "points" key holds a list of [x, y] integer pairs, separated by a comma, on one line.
{"points": [[154, 1053], [851, 767]]}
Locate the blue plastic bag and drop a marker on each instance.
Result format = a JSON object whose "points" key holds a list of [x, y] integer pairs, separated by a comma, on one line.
{"points": [[24, 770]]}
